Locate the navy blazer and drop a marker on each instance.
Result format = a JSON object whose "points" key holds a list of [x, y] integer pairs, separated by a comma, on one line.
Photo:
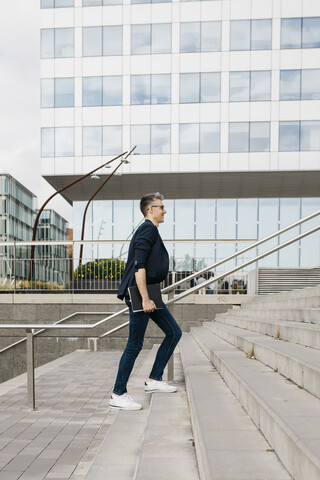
{"points": [[147, 251]]}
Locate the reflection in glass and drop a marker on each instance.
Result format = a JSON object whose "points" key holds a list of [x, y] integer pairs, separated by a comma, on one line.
{"points": [[289, 137], [112, 40], [161, 38], [160, 139], [47, 142], [240, 35], [47, 43], [310, 135], [205, 218], [210, 87], [112, 2], [91, 91], [63, 42], [226, 218], [47, 93], [260, 88], [290, 85], [91, 141], [190, 37], [210, 36], [47, 3], [140, 135], [259, 136], [310, 84], [64, 142], [91, 41], [121, 229], [89, 3], [247, 218], [184, 219], [239, 137], [311, 32], [291, 33], [140, 39], [140, 89], [268, 224], [112, 140], [63, 3], [189, 138], [239, 86], [64, 92], [209, 137], [189, 87], [261, 35], [160, 88], [112, 90]]}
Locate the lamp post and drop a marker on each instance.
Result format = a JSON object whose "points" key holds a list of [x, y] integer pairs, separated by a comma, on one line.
{"points": [[50, 198]]}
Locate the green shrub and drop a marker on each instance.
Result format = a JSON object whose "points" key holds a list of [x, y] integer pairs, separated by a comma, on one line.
{"points": [[107, 268]]}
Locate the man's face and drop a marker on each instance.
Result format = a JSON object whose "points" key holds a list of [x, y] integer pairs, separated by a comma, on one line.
{"points": [[157, 211]]}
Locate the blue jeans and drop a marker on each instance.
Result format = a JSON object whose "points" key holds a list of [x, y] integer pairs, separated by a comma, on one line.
{"points": [[137, 329]]}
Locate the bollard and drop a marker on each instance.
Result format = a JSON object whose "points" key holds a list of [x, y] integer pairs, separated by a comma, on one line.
{"points": [[30, 369], [170, 366]]}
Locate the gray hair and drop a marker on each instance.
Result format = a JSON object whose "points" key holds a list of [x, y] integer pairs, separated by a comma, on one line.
{"points": [[147, 199]]}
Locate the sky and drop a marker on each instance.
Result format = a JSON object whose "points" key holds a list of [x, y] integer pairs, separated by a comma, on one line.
{"points": [[20, 100]]}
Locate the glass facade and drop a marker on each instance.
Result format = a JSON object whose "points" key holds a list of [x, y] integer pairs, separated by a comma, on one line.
{"points": [[300, 32]]}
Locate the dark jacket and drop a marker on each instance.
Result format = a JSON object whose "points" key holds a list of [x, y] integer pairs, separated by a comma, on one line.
{"points": [[147, 251]]}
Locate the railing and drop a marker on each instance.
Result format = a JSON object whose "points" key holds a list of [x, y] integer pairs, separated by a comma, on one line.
{"points": [[172, 299]]}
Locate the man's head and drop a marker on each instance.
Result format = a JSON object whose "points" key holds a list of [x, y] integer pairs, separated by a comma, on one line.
{"points": [[152, 207]]}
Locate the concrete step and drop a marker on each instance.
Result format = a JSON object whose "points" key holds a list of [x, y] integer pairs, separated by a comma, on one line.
{"points": [[302, 292], [295, 332], [290, 302], [228, 444], [297, 363], [287, 416], [307, 315]]}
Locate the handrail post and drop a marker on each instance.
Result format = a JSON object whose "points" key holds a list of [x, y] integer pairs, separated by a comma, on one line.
{"points": [[170, 365], [30, 368]]}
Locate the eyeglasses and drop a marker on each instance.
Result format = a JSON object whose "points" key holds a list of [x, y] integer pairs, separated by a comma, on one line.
{"points": [[159, 206]]}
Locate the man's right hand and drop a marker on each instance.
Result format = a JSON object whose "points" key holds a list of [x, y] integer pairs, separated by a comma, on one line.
{"points": [[148, 306]]}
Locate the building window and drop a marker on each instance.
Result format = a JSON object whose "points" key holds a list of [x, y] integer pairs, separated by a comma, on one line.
{"points": [[112, 140], [310, 84], [150, 89], [57, 92], [147, 39], [300, 32], [93, 3], [106, 140], [154, 139], [200, 37], [98, 91], [91, 141], [56, 3], [300, 84], [57, 42], [199, 87], [249, 137], [251, 34], [250, 86], [310, 135], [199, 137], [289, 136], [57, 142], [299, 136], [151, 1], [98, 41]]}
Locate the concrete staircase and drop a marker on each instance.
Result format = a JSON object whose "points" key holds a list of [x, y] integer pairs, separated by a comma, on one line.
{"points": [[267, 354]]}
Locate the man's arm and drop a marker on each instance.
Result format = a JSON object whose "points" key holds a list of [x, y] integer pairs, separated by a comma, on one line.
{"points": [[147, 304]]}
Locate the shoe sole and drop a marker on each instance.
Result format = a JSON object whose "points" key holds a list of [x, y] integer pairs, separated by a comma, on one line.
{"points": [[125, 408], [160, 391]]}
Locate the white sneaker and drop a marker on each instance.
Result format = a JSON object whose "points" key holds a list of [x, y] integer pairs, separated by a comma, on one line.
{"points": [[159, 386], [124, 402]]}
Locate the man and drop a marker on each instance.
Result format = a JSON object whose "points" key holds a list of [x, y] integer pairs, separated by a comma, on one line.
{"points": [[148, 263]]}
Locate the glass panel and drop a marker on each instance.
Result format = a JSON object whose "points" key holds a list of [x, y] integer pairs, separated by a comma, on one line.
{"points": [[161, 38], [247, 218], [91, 91], [209, 137], [226, 218], [160, 139], [260, 88], [47, 142], [64, 142], [210, 36], [166, 228], [112, 40], [160, 89], [91, 141], [112, 2], [310, 256], [47, 3], [90, 3], [261, 35], [268, 224], [47, 43], [122, 210], [112, 140], [140, 135], [240, 35], [289, 213], [190, 37], [64, 92], [64, 3], [311, 32], [310, 135], [140, 89], [259, 137], [189, 138], [92, 41], [239, 86], [290, 85], [289, 136], [239, 137], [140, 39], [140, 1], [291, 33], [112, 90], [184, 219], [310, 84], [210, 87], [63, 42], [189, 87], [205, 218], [47, 93]]}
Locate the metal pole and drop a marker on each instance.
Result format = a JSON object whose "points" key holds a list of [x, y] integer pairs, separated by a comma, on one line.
{"points": [[170, 366], [30, 369]]}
